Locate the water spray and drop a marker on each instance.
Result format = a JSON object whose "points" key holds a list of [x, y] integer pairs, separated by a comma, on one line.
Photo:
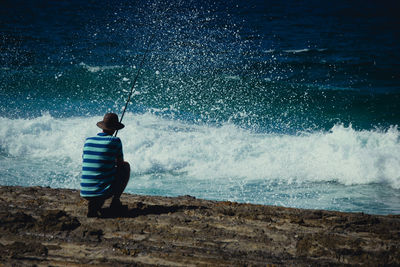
{"points": [[136, 77], [140, 69]]}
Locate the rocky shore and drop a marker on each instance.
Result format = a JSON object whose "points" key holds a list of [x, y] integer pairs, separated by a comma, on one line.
{"points": [[48, 227]]}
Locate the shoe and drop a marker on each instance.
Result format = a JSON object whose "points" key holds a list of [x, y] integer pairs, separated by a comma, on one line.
{"points": [[116, 205], [94, 208], [93, 214]]}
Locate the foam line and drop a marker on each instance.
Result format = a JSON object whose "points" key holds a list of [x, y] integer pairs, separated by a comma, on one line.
{"points": [[155, 145]]}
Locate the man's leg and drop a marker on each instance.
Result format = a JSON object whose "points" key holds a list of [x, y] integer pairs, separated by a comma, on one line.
{"points": [[120, 183], [94, 206]]}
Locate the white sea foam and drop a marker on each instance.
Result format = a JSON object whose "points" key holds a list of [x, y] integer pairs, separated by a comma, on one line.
{"points": [[94, 69], [232, 77], [157, 146], [297, 51]]}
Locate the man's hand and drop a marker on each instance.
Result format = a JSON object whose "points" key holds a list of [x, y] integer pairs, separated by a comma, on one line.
{"points": [[119, 161]]}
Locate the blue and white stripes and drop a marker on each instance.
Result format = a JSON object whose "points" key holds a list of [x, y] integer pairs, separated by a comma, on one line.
{"points": [[98, 168]]}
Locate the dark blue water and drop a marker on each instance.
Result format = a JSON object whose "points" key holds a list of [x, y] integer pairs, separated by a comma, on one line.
{"points": [[327, 73]]}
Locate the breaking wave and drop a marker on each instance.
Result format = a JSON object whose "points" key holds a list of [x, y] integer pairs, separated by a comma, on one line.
{"points": [[159, 146]]}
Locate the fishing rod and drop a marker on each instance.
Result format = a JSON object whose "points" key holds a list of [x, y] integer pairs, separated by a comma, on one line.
{"points": [[141, 66], [136, 77]]}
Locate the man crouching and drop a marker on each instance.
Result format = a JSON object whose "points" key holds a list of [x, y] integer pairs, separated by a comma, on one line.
{"points": [[105, 174]]}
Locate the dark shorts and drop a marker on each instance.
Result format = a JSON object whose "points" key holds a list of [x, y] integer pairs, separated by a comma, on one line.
{"points": [[117, 186], [109, 194]]}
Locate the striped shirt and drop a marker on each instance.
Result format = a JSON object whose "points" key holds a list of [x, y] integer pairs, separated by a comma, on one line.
{"points": [[98, 168]]}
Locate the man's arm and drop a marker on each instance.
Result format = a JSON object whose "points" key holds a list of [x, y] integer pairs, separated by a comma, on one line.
{"points": [[120, 155], [119, 161]]}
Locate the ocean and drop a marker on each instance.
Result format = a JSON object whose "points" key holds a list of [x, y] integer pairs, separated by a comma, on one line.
{"points": [[289, 103]]}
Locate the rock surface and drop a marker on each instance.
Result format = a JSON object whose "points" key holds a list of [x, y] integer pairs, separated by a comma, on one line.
{"points": [[48, 227]]}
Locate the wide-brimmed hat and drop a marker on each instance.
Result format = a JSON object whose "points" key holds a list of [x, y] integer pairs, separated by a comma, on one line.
{"points": [[110, 122]]}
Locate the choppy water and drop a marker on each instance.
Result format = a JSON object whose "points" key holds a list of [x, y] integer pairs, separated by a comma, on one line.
{"points": [[293, 104]]}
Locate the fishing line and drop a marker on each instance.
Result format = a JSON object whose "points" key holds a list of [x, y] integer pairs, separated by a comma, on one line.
{"points": [[136, 77], [140, 69]]}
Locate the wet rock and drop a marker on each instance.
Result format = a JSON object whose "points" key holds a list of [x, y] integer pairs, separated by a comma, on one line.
{"points": [[22, 249], [15, 222], [159, 231], [298, 221], [58, 220], [89, 234]]}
